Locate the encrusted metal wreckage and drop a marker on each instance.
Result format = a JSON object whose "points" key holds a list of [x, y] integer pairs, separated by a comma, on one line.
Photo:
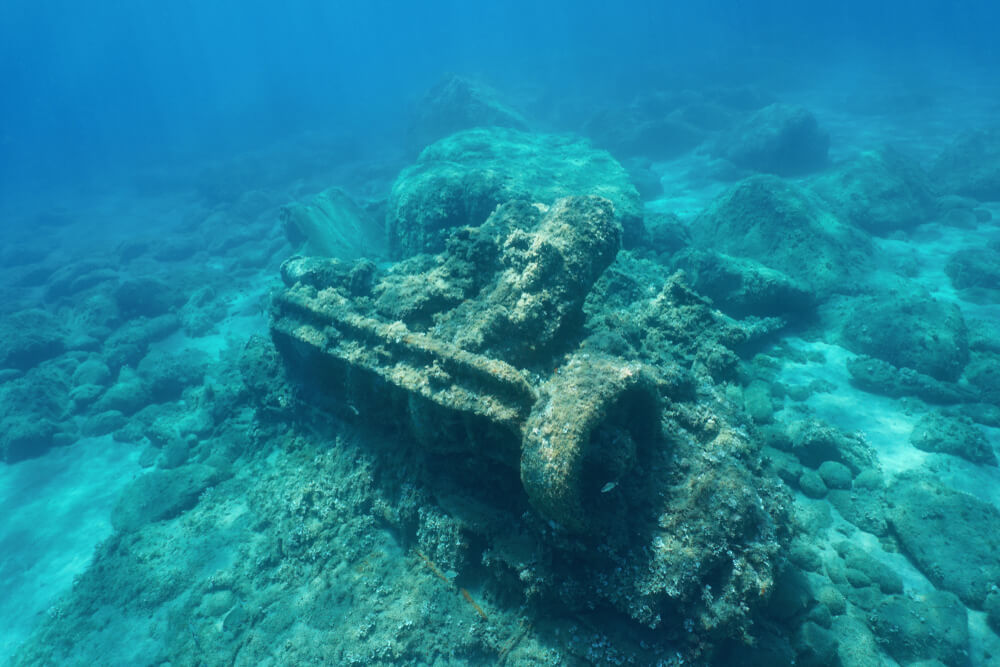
{"points": [[474, 381], [530, 341]]}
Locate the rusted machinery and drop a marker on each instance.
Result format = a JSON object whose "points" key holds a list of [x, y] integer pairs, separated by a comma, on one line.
{"points": [[479, 346]]}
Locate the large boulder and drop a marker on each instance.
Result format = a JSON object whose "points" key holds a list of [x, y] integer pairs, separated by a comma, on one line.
{"points": [[983, 373], [909, 330], [71, 278], [787, 228], [168, 373], [971, 268], [665, 124], [814, 443], [127, 395], [25, 437], [331, 224], [460, 180], [130, 342], [953, 537], [779, 139], [970, 166], [930, 629], [146, 297], [742, 287], [459, 103], [161, 495], [29, 337], [937, 432], [881, 377], [638, 131], [879, 191], [35, 411]]}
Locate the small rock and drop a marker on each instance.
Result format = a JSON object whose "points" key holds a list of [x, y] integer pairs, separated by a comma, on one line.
{"points": [[835, 475], [103, 423], [779, 139], [92, 371], [931, 627], [812, 484], [757, 402], [937, 432]]}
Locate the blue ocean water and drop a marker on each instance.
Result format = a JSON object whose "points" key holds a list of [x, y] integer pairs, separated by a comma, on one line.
{"points": [[771, 349], [106, 88]]}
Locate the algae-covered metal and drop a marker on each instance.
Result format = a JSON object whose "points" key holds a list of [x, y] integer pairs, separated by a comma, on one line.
{"points": [[471, 374], [597, 378]]}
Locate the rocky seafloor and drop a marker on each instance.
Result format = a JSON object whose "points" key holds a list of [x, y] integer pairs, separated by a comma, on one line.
{"points": [[712, 377]]}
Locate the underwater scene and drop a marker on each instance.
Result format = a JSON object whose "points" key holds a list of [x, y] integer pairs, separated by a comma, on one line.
{"points": [[521, 334]]}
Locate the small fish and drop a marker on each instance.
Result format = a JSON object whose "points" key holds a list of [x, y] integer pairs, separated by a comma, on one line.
{"points": [[608, 487]]}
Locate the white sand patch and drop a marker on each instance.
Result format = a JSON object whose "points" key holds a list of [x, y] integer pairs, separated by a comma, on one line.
{"points": [[886, 423], [247, 316], [686, 189], [883, 420], [56, 509]]}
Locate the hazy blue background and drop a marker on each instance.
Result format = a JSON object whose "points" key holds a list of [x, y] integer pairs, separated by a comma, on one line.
{"points": [[101, 88]]}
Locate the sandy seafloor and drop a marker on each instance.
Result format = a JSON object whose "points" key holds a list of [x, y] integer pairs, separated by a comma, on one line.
{"points": [[56, 507]]}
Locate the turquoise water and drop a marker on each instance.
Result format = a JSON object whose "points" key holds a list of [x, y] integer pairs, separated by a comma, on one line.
{"points": [[560, 334]]}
